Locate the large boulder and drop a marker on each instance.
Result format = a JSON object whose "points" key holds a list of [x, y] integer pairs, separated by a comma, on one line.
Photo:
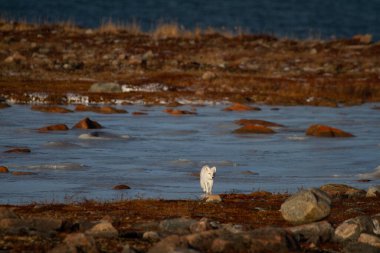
{"points": [[87, 123], [306, 206], [326, 131], [237, 107], [57, 127], [105, 87], [351, 229], [253, 129]]}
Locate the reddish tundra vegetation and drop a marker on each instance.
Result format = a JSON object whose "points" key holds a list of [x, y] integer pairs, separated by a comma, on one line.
{"points": [[61, 58]]}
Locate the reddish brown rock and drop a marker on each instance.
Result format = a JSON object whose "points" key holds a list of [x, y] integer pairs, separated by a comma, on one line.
{"points": [[18, 150], [86, 123], [179, 112], [244, 122], [3, 169], [22, 173], [58, 127], [121, 187], [99, 109], [237, 107], [326, 131], [254, 129], [139, 113], [51, 109]]}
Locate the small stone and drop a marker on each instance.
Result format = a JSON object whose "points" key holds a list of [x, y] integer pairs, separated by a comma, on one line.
{"points": [[200, 226], [103, 229], [213, 199], [121, 187], [151, 236], [208, 76], [3, 169], [373, 191]]}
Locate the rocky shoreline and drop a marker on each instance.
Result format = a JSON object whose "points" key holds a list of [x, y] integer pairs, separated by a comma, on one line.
{"points": [[62, 63], [333, 218]]}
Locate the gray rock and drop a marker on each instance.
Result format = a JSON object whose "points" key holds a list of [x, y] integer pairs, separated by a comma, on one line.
{"points": [[172, 244], [76, 242], [369, 239], [200, 226], [373, 191], [179, 226], [306, 206], [313, 233], [103, 229], [351, 229], [105, 87], [151, 236]]}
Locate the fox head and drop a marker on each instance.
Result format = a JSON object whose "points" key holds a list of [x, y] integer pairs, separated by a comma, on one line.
{"points": [[209, 172]]}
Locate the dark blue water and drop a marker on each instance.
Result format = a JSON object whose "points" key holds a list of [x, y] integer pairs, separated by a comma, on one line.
{"points": [[291, 18]]}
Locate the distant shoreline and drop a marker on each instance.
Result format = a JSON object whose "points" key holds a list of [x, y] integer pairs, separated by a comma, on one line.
{"points": [[202, 65]]}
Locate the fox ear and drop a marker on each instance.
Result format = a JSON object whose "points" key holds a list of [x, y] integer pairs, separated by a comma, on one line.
{"points": [[205, 167], [213, 169]]}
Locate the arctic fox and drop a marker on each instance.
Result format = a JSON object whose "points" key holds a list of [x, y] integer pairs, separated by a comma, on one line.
{"points": [[207, 178]]}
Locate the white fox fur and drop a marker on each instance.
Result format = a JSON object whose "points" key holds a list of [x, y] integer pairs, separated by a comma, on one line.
{"points": [[207, 178]]}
